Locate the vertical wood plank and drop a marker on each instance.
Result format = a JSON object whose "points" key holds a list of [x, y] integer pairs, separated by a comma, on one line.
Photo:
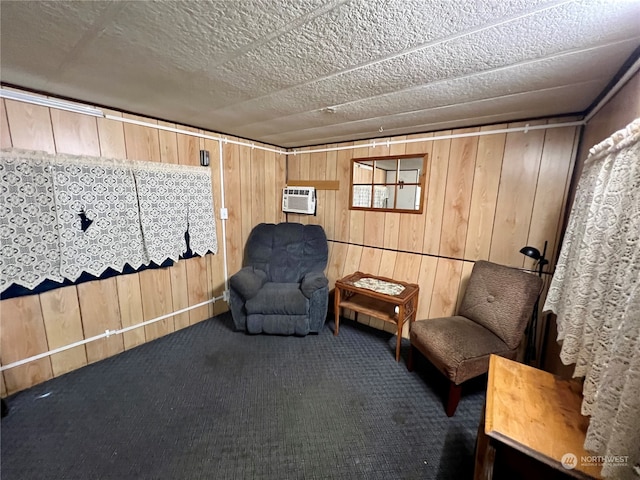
{"points": [[244, 156], [467, 267], [455, 216], [63, 325], [436, 195], [142, 143], [388, 263], [130, 302], [426, 280], [216, 262], [370, 260], [330, 195], [548, 204], [23, 336], [5, 133], [407, 267], [30, 126], [336, 263], [342, 215], [281, 181], [197, 288], [270, 199], [168, 144], [304, 165], [232, 192], [100, 312], [74, 133], [374, 228], [485, 194], [155, 287], [257, 187], [445, 289], [352, 261], [515, 195], [317, 167], [111, 137], [188, 148], [179, 293]]}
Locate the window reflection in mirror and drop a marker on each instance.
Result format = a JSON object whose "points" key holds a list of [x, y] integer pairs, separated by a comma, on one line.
{"points": [[388, 183]]}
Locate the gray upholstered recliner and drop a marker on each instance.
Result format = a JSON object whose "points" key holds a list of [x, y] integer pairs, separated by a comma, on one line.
{"points": [[282, 288], [492, 318]]}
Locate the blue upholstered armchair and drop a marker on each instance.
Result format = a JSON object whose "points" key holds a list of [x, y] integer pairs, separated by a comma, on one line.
{"points": [[282, 288]]}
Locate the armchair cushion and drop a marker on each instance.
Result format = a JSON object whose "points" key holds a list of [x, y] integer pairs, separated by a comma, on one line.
{"points": [[248, 281], [313, 281], [457, 346], [278, 299], [500, 299]]}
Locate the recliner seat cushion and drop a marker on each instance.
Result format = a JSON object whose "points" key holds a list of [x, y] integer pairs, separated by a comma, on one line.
{"points": [[457, 346], [278, 298]]}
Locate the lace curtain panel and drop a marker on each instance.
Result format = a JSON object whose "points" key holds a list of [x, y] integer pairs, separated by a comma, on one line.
{"points": [[172, 201], [595, 293], [64, 214], [106, 194], [28, 221]]}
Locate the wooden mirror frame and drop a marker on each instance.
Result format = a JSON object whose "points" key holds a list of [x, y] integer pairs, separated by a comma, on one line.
{"points": [[398, 158]]}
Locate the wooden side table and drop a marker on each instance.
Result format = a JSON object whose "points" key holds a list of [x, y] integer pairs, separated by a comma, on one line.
{"points": [[532, 427], [377, 304]]}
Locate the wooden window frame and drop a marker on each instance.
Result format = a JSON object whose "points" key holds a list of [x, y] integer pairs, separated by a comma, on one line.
{"points": [[420, 183]]}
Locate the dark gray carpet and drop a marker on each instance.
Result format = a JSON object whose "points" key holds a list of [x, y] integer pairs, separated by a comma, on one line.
{"points": [[210, 403]]}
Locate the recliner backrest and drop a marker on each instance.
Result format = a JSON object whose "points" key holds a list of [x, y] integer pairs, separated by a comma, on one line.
{"points": [[287, 251], [500, 299]]}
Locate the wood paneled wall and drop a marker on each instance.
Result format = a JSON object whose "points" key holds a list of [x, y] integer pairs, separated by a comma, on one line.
{"points": [[486, 197], [38, 323]]}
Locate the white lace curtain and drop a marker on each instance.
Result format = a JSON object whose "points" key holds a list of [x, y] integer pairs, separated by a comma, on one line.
{"points": [[595, 293], [65, 214]]}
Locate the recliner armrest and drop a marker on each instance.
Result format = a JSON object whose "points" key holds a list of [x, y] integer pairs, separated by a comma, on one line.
{"points": [[313, 281], [248, 282]]}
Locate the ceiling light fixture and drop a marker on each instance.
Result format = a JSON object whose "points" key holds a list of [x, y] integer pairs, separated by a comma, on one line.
{"points": [[51, 103]]}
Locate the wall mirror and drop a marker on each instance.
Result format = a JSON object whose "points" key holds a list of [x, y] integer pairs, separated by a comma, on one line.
{"points": [[389, 184]]}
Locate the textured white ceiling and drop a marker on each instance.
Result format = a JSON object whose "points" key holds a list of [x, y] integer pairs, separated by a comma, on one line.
{"points": [[268, 69]]}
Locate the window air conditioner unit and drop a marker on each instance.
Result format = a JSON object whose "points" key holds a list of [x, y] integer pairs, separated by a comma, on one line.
{"points": [[299, 200]]}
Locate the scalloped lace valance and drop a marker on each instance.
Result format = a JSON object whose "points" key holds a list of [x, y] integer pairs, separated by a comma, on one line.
{"points": [[63, 215], [595, 292]]}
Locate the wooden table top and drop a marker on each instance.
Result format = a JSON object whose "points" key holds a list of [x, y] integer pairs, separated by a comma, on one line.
{"points": [[538, 414], [410, 289]]}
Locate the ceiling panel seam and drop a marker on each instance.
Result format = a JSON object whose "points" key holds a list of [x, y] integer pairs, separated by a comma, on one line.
{"points": [[94, 31], [328, 7], [450, 79], [409, 51], [380, 119]]}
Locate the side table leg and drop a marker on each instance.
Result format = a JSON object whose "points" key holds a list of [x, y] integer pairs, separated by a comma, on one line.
{"points": [[399, 336], [336, 309]]}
